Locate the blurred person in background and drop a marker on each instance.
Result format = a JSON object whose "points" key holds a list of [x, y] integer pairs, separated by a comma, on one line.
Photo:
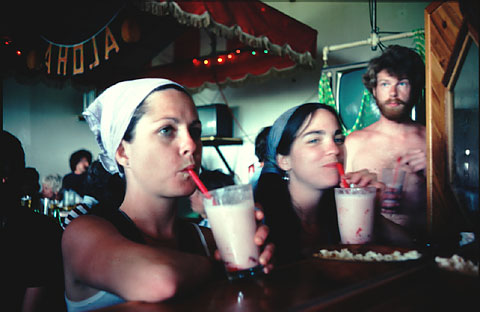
{"points": [[30, 189], [51, 186], [103, 192], [31, 271], [79, 163], [260, 152]]}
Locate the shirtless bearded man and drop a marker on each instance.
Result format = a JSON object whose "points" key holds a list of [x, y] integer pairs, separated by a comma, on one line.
{"points": [[396, 79]]}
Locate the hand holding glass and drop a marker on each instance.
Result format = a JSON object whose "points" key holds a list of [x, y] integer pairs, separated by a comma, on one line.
{"points": [[393, 179]]}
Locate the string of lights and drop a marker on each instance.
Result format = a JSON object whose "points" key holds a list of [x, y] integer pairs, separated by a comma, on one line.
{"points": [[223, 58]]}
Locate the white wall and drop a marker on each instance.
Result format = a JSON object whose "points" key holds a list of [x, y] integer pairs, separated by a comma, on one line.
{"points": [[45, 119]]}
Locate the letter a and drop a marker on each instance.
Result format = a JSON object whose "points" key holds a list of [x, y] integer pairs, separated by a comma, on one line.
{"points": [[113, 45]]}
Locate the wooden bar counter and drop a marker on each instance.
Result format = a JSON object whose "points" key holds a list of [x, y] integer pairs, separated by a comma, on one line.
{"points": [[331, 285]]}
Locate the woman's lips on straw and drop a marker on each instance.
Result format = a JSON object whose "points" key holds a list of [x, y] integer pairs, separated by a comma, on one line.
{"points": [[198, 182], [188, 168], [331, 165]]}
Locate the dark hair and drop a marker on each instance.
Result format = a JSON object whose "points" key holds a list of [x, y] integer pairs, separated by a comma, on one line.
{"points": [[107, 189], [77, 156], [401, 62], [295, 122], [12, 167], [261, 143], [213, 179], [13, 156], [140, 110], [273, 194], [30, 185]]}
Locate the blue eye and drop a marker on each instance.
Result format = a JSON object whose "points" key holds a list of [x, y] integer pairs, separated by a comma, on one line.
{"points": [[166, 131]]}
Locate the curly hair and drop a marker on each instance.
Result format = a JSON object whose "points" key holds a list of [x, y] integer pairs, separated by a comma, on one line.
{"points": [[401, 62], [77, 156]]}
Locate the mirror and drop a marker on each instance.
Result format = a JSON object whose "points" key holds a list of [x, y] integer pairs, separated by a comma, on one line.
{"points": [[464, 141]]}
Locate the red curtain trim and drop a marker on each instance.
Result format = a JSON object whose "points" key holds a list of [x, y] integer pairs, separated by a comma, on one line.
{"points": [[205, 21]]}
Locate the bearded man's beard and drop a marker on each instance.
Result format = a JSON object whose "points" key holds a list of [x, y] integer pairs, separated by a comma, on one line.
{"points": [[399, 113]]}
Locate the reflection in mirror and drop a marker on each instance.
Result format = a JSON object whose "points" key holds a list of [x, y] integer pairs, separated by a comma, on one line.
{"points": [[465, 136]]}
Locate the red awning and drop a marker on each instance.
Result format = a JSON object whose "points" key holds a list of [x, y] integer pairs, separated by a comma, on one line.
{"points": [[240, 39], [98, 45]]}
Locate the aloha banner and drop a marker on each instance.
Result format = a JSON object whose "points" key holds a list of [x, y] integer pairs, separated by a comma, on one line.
{"points": [[79, 58]]}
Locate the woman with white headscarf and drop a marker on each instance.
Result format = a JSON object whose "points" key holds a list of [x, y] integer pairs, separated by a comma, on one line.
{"points": [[148, 131], [296, 186]]}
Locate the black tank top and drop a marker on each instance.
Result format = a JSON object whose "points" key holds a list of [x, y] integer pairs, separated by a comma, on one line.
{"points": [[191, 239]]}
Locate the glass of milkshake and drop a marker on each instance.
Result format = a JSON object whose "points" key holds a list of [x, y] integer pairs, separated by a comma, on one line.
{"points": [[230, 212], [355, 211], [393, 179]]}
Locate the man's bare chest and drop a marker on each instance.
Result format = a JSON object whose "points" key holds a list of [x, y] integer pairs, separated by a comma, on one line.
{"points": [[384, 153]]}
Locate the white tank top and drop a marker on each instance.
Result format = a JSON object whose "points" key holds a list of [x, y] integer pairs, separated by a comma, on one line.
{"points": [[99, 300]]}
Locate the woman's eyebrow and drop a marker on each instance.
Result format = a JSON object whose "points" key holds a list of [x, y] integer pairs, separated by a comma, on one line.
{"points": [[320, 132], [175, 120]]}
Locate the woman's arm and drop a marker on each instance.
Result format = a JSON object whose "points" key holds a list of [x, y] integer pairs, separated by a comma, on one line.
{"points": [[97, 256]]}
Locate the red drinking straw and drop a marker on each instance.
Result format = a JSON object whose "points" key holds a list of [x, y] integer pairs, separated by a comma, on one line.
{"points": [[395, 172], [343, 182], [199, 183]]}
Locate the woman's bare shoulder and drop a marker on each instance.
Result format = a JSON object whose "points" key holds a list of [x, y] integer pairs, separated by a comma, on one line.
{"points": [[87, 233], [87, 223]]}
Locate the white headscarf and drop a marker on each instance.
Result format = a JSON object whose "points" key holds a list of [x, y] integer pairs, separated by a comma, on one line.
{"points": [[109, 115]]}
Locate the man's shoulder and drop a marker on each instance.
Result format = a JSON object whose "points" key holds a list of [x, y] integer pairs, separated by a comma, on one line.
{"points": [[420, 129], [68, 176], [360, 135]]}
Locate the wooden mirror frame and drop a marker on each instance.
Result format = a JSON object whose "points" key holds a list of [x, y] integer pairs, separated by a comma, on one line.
{"points": [[447, 32]]}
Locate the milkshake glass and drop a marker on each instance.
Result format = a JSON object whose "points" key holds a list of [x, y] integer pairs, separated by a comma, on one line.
{"points": [[355, 211], [230, 212], [393, 179]]}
